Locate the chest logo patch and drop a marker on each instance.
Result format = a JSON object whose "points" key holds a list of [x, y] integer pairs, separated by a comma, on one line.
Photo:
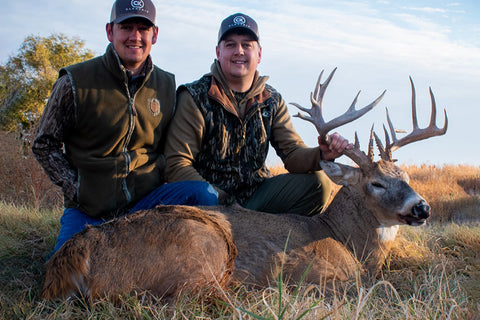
{"points": [[155, 107]]}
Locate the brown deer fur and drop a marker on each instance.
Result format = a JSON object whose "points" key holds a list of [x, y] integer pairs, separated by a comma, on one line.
{"points": [[352, 237], [165, 251]]}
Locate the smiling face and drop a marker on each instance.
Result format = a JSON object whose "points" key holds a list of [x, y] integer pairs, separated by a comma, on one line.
{"points": [[239, 56], [132, 40]]}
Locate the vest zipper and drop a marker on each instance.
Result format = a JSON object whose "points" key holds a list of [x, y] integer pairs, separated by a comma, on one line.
{"points": [[131, 128], [128, 159]]}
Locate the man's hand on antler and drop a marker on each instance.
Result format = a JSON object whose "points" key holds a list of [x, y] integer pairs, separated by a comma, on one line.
{"points": [[334, 149]]}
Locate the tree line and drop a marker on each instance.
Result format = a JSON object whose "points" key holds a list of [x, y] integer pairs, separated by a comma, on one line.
{"points": [[27, 78]]}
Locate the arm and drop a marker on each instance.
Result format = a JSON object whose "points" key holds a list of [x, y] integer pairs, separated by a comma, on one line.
{"points": [[47, 146], [184, 140]]}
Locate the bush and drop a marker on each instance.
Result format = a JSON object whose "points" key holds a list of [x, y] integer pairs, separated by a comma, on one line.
{"points": [[23, 181]]}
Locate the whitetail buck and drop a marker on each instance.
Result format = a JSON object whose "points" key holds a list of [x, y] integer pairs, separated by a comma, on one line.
{"points": [[169, 249], [357, 229]]}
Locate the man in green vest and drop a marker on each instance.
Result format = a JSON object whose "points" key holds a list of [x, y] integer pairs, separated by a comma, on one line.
{"points": [[102, 132], [225, 123]]}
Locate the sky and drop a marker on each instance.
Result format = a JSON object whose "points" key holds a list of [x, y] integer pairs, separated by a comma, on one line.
{"points": [[375, 46]]}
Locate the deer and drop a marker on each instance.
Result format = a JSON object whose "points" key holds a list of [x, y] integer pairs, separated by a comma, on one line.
{"points": [[171, 250], [355, 233]]}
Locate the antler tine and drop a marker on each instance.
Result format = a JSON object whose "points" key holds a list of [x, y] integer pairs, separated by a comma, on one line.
{"points": [[315, 116], [370, 154], [417, 134], [315, 113], [357, 143], [414, 104], [385, 153], [320, 88], [351, 114], [433, 116]]}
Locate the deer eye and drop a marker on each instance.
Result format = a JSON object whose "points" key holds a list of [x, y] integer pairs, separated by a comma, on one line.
{"points": [[378, 185]]}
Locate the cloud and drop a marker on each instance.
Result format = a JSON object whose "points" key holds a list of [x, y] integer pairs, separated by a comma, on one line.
{"points": [[426, 9], [375, 44]]}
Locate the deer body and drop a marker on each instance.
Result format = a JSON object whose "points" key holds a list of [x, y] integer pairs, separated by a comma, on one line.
{"points": [[286, 243], [353, 236]]}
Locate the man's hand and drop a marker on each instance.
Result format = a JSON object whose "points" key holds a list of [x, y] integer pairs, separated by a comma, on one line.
{"points": [[335, 149]]}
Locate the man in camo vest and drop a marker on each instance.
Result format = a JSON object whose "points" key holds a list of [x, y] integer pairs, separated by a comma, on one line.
{"points": [[223, 126], [102, 132]]}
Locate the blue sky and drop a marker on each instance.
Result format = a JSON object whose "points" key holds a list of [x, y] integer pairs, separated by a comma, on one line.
{"points": [[376, 46]]}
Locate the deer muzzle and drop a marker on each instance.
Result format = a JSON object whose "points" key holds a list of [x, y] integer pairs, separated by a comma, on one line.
{"points": [[421, 210]]}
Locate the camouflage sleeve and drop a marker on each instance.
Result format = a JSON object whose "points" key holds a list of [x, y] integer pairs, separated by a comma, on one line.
{"points": [[184, 140], [47, 147]]}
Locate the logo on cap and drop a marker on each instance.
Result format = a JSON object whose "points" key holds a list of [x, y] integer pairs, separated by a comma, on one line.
{"points": [[138, 4], [239, 20]]}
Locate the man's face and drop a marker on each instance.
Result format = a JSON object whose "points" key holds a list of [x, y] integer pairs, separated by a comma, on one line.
{"points": [[239, 56], [133, 40]]}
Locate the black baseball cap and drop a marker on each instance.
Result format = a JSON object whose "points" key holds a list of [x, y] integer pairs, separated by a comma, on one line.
{"points": [[126, 9], [238, 21]]}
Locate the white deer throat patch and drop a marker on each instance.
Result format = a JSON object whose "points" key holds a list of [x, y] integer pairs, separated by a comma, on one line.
{"points": [[386, 234]]}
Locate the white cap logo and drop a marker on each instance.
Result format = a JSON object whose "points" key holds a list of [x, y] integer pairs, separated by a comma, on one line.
{"points": [[239, 20], [138, 4]]}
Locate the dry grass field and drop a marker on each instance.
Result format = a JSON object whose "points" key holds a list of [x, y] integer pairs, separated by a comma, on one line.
{"points": [[433, 272]]}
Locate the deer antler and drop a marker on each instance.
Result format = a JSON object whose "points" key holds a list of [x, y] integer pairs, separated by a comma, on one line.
{"points": [[417, 134], [316, 117]]}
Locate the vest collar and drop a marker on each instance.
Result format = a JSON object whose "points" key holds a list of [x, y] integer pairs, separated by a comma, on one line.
{"points": [[220, 91], [114, 64]]}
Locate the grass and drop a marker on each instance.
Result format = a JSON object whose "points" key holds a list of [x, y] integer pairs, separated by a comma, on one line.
{"points": [[432, 272]]}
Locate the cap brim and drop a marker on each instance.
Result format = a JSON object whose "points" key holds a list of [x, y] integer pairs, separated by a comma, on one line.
{"points": [[124, 18], [244, 29]]}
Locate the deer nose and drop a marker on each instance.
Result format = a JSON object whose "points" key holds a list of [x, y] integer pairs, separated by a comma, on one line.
{"points": [[421, 210]]}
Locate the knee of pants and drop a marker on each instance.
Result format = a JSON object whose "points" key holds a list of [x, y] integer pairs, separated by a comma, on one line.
{"points": [[206, 195], [72, 222], [324, 184]]}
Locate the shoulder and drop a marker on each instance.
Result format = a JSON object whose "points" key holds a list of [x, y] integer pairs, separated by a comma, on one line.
{"points": [[162, 79], [273, 92], [203, 82], [272, 97], [83, 65], [196, 88], [163, 74], [63, 81]]}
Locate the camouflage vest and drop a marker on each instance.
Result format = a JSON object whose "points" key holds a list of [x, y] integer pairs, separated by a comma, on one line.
{"points": [[233, 152]]}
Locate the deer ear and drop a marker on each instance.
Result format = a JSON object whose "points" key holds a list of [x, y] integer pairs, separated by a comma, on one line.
{"points": [[340, 173]]}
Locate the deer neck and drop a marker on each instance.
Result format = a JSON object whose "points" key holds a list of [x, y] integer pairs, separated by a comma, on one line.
{"points": [[351, 222]]}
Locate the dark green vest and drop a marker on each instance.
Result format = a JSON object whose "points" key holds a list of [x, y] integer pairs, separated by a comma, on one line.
{"points": [[233, 152], [117, 139]]}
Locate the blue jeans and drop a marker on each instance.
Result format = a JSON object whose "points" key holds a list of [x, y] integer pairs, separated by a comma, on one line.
{"points": [[192, 193]]}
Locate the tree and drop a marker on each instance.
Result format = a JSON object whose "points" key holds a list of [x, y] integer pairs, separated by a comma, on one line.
{"points": [[27, 78]]}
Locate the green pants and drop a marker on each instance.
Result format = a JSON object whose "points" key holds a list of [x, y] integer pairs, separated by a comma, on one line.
{"points": [[305, 194]]}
